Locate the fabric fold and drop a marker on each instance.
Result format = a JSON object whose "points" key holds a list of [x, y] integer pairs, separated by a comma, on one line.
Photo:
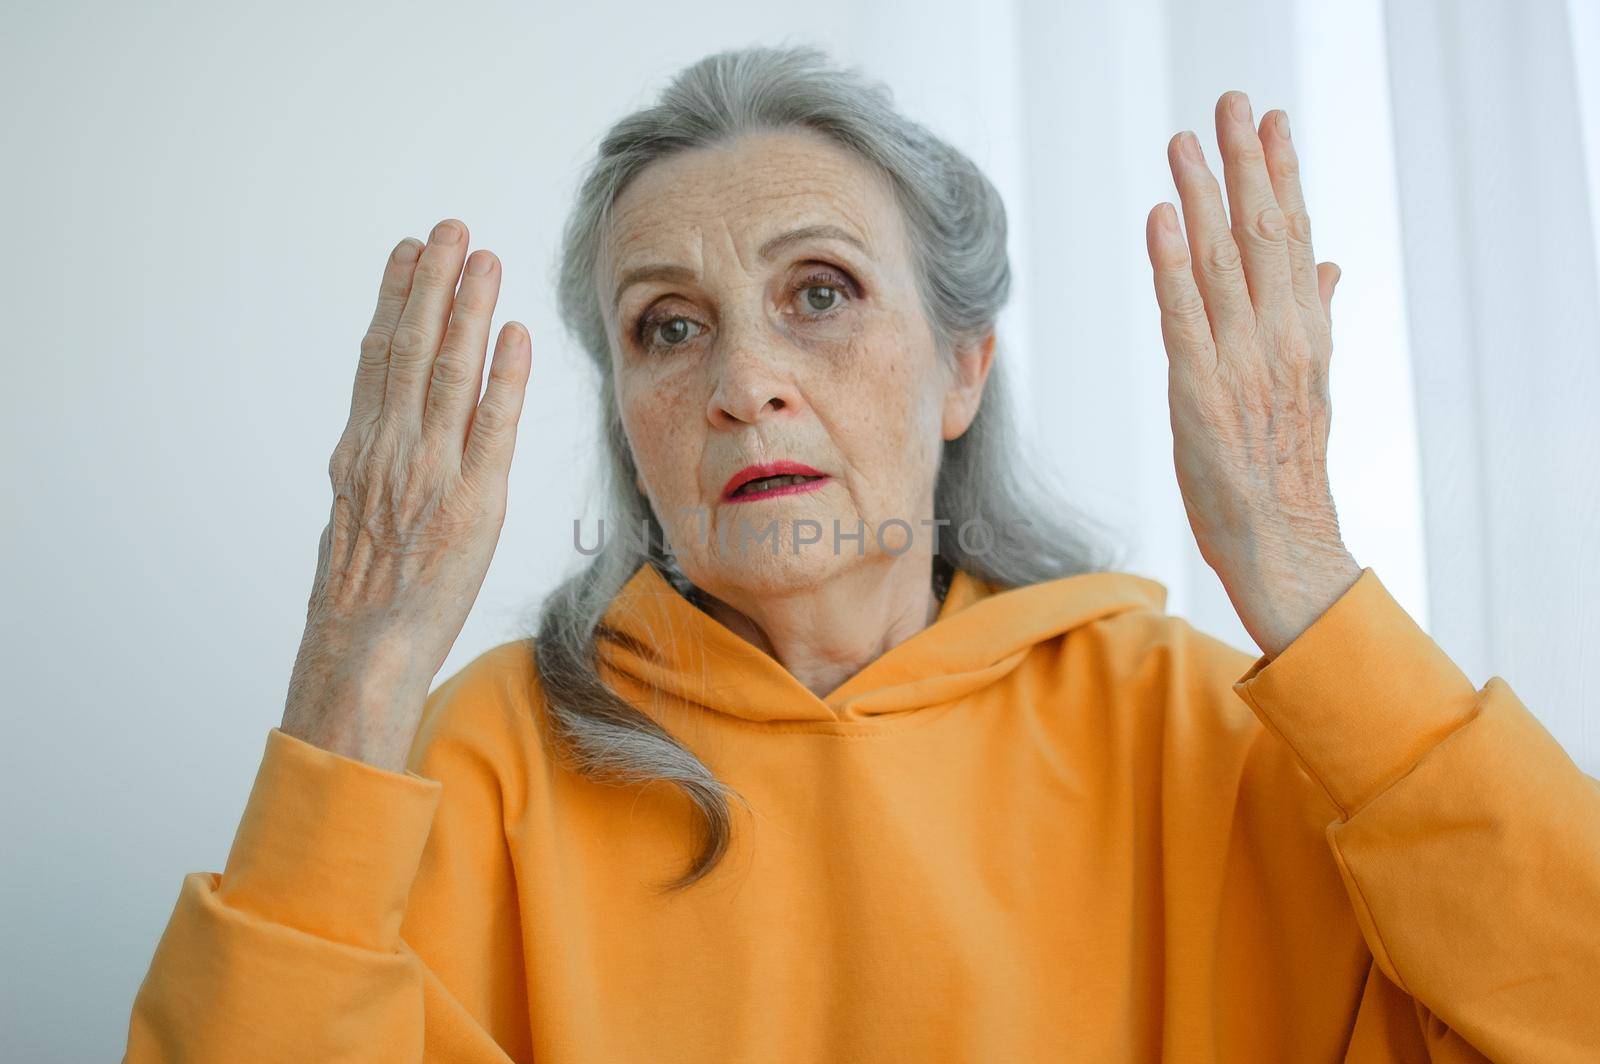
{"points": [[329, 844], [1361, 695], [670, 647]]}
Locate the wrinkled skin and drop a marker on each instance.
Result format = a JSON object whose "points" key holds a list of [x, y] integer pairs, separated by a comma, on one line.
{"points": [[1246, 321], [821, 355]]}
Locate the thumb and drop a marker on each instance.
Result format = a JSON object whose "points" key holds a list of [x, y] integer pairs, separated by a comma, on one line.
{"points": [[1328, 274]]}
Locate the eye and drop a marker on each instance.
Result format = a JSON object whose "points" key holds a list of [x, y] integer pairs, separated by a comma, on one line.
{"points": [[664, 332], [824, 291], [830, 296]]}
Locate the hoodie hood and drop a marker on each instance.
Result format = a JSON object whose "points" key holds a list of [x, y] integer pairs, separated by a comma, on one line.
{"points": [[980, 634]]}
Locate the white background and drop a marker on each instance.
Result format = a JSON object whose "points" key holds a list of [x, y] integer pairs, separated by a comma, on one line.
{"points": [[200, 198]]}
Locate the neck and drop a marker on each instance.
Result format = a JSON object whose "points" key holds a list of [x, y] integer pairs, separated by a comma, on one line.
{"points": [[826, 633]]}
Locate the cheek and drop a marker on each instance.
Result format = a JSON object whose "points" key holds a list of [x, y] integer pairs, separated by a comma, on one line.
{"points": [[886, 417], [658, 416]]}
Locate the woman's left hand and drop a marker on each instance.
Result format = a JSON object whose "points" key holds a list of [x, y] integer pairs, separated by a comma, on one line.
{"points": [[1248, 340]]}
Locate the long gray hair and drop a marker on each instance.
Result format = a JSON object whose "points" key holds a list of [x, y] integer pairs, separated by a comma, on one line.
{"points": [[957, 226]]}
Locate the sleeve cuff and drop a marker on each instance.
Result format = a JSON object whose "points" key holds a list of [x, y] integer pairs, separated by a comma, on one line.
{"points": [[1361, 695], [328, 844]]}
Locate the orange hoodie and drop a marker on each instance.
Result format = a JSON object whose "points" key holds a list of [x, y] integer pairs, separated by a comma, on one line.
{"points": [[1059, 824]]}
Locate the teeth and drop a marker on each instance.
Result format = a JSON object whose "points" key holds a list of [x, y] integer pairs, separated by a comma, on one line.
{"points": [[768, 483]]}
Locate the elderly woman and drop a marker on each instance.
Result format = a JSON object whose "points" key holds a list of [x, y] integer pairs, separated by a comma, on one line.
{"points": [[962, 789]]}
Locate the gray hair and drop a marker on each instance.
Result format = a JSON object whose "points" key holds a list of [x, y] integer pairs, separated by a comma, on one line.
{"points": [[957, 227]]}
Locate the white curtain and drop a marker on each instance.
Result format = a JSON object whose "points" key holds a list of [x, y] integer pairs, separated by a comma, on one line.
{"points": [[1505, 341], [1444, 148]]}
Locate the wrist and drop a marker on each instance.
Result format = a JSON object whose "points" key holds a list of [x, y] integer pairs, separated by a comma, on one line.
{"points": [[364, 707], [1279, 593]]}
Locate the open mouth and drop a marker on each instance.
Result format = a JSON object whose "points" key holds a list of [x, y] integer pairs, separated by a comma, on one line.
{"points": [[785, 484]]}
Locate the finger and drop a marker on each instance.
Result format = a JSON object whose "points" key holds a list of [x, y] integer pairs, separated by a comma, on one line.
{"points": [[1185, 328], [1257, 220], [493, 435], [1220, 273], [1283, 166], [422, 322], [372, 370], [458, 371]]}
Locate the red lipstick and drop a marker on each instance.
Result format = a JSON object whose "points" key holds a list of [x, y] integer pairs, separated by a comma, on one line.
{"points": [[772, 469]]}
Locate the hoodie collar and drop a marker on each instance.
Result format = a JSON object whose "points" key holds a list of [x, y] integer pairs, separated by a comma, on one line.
{"points": [[979, 635]]}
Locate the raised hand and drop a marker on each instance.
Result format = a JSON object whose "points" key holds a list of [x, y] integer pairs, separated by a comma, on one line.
{"points": [[419, 497], [1245, 318]]}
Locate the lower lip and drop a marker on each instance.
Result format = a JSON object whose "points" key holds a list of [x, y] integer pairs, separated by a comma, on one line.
{"points": [[773, 493]]}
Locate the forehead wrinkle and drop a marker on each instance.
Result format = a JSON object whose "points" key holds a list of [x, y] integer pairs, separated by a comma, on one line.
{"points": [[733, 243], [809, 204], [662, 265]]}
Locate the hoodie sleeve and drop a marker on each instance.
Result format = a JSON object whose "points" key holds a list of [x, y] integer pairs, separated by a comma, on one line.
{"points": [[1468, 841], [359, 916]]}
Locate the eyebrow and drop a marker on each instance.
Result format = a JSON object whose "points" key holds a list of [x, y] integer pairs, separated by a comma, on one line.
{"points": [[665, 272]]}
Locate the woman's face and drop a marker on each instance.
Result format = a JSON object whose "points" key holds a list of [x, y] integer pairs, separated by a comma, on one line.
{"points": [[736, 339]]}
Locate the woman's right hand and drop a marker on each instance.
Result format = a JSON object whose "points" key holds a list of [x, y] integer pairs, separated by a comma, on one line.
{"points": [[419, 498]]}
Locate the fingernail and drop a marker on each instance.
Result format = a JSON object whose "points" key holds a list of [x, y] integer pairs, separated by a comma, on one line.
{"points": [[1191, 144], [478, 265], [407, 251], [444, 233], [1241, 107], [1283, 124]]}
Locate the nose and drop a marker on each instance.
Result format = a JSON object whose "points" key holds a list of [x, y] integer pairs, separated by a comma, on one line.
{"points": [[752, 383]]}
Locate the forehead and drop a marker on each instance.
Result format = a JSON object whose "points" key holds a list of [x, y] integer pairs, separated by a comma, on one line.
{"points": [[745, 191]]}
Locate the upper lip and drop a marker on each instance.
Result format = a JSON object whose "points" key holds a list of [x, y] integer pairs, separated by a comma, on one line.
{"points": [[767, 469]]}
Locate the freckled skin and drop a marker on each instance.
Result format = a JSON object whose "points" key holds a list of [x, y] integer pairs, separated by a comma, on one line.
{"points": [[758, 360]]}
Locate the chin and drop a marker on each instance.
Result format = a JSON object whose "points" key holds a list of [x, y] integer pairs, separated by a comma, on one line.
{"points": [[756, 570]]}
